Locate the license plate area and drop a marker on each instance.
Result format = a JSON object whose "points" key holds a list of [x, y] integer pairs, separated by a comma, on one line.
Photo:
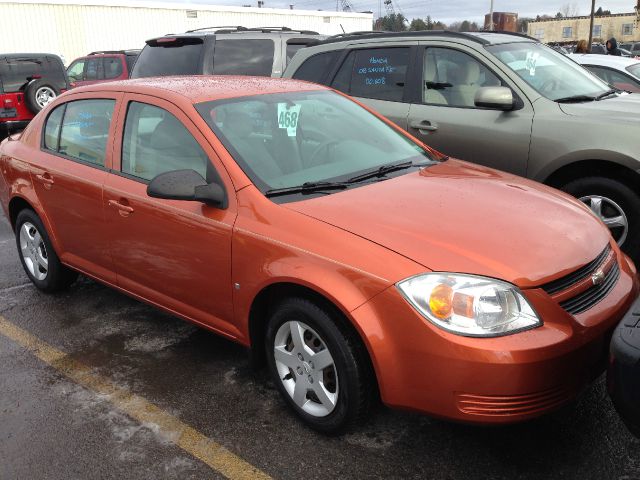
{"points": [[8, 112]]}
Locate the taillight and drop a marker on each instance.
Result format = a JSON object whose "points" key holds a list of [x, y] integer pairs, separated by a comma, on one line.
{"points": [[8, 103]]}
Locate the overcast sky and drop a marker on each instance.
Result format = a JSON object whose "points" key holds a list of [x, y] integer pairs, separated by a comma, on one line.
{"points": [[445, 10]]}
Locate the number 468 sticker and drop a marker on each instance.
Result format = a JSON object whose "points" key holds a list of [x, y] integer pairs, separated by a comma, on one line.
{"points": [[288, 116]]}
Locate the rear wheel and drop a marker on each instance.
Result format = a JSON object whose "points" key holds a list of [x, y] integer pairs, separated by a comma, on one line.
{"points": [[317, 365], [616, 204], [38, 258]]}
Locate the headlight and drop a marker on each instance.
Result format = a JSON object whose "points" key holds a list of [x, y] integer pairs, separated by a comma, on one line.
{"points": [[470, 305]]}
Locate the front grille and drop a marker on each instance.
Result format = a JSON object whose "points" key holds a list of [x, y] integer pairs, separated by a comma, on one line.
{"points": [[574, 277], [587, 299]]}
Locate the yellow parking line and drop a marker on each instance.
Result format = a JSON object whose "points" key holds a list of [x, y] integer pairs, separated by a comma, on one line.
{"points": [[181, 434]]}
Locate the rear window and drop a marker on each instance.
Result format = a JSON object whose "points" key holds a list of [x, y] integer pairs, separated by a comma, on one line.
{"points": [[243, 57], [15, 72], [176, 57], [315, 68]]}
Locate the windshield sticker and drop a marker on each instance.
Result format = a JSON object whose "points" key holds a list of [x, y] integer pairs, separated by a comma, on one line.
{"points": [[531, 62], [288, 116]]}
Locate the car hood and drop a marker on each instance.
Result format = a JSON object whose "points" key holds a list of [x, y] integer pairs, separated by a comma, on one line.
{"points": [[623, 108], [460, 217]]}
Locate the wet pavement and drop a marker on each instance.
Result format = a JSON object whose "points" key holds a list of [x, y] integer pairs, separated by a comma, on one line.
{"points": [[52, 427]]}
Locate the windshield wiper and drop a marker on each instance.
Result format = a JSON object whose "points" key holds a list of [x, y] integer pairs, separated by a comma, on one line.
{"points": [[307, 187], [384, 169], [606, 94], [576, 98]]}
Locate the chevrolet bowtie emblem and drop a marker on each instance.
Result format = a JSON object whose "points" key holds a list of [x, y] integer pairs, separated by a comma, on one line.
{"points": [[598, 277]]}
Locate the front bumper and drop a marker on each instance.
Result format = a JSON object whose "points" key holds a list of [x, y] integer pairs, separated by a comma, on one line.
{"points": [[11, 127], [490, 380], [623, 375]]}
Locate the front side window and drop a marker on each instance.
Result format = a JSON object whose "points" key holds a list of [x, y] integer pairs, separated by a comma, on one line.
{"points": [[76, 71], [567, 32], [112, 67], [288, 139], [155, 141], [243, 57], [85, 130], [452, 78], [378, 73], [550, 73]]}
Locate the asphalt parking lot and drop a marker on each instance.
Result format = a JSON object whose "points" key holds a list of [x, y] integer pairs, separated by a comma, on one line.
{"points": [[96, 385]]}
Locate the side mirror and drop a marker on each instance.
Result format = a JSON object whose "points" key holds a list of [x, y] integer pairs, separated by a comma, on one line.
{"points": [[187, 185], [496, 98]]}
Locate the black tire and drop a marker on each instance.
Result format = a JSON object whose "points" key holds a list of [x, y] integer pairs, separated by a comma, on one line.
{"points": [[355, 380], [621, 194], [58, 277], [31, 93]]}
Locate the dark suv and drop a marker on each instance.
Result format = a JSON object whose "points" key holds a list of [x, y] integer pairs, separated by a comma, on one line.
{"points": [[98, 67], [28, 82], [222, 51]]}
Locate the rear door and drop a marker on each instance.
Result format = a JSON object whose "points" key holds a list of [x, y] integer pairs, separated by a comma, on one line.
{"points": [[443, 113], [378, 77], [68, 178], [176, 254]]}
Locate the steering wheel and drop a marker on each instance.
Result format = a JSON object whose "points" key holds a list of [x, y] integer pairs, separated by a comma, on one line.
{"points": [[548, 86], [315, 156]]}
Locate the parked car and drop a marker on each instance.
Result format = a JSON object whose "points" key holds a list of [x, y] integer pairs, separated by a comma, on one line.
{"points": [[222, 51], [286, 217], [619, 72], [501, 100], [98, 67], [623, 374], [28, 82], [633, 48], [598, 49]]}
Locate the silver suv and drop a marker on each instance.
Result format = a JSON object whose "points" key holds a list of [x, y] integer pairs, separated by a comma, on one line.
{"points": [[502, 100], [262, 51]]}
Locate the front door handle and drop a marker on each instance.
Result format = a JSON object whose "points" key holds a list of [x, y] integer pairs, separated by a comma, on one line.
{"points": [[424, 126], [124, 209], [46, 179]]}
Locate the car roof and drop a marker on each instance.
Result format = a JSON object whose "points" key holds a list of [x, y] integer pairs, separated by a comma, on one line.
{"points": [[202, 88], [612, 61], [240, 31], [28, 55], [484, 38]]}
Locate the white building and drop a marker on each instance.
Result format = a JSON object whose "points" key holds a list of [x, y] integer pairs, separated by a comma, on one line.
{"points": [[73, 28]]}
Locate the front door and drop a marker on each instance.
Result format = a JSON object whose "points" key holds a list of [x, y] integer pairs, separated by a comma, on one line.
{"points": [[176, 254], [68, 177], [443, 114]]}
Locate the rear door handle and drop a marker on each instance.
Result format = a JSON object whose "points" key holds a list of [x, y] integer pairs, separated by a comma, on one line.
{"points": [[424, 126], [125, 210], [46, 179]]}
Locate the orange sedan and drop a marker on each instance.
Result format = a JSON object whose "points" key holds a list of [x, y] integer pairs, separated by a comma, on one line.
{"points": [[350, 257]]}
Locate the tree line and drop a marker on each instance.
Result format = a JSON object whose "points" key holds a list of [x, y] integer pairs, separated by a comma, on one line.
{"points": [[397, 22]]}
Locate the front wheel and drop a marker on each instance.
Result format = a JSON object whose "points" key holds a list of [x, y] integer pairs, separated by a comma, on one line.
{"points": [[317, 365], [38, 258], [616, 204]]}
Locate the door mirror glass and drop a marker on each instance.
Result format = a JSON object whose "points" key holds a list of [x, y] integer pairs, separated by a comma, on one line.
{"points": [[187, 185], [497, 98]]}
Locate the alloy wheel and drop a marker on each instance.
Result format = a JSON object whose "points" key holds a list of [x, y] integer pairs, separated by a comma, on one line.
{"points": [[44, 96], [34, 251], [611, 214], [306, 368]]}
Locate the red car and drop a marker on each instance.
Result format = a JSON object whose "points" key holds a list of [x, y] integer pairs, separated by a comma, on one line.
{"points": [[357, 261], [100, 67], [28, 83]]}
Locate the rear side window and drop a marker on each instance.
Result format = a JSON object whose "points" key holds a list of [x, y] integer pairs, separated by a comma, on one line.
{"points": [[112, 67], [315, 68], [52, 128], [85, 130], [374, 73], [155, 141], [175, 57], [243, 57]]}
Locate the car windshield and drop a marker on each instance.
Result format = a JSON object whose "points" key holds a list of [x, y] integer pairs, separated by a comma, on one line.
{"points": [[293, 139], [550, 73], [634, 70]]}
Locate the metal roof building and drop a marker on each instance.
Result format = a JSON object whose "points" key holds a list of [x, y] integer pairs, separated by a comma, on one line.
{"points": [[73, 28]]}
